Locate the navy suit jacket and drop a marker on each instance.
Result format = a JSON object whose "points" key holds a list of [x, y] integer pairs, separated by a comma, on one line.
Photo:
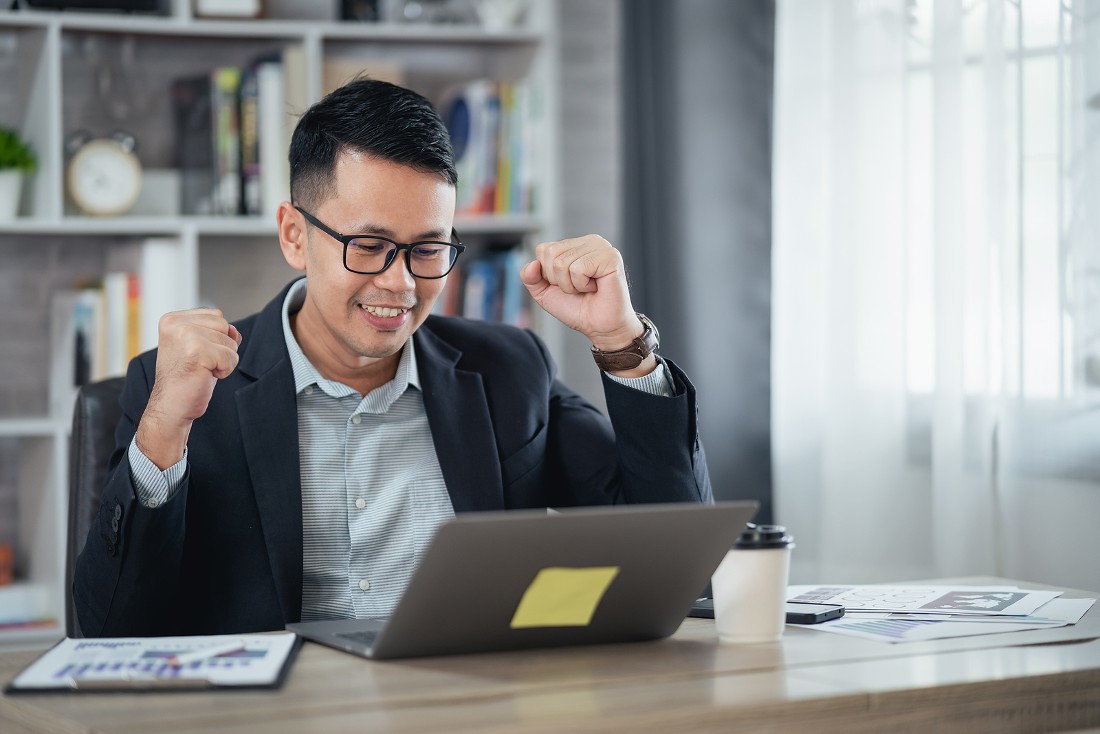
{"points": [[224, 554]]}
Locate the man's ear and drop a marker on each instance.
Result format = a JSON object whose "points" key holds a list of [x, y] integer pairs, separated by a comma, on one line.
{"points": [[292, 235]]}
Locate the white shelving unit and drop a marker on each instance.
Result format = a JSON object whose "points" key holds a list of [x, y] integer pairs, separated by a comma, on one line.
{"points": [[61, 70]]}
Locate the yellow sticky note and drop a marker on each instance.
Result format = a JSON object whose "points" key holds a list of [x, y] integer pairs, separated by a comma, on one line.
{"points": [[563, 597]]}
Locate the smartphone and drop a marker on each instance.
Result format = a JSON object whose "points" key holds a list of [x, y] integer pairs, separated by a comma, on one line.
{"points": [[798, 613], [703, 607]]}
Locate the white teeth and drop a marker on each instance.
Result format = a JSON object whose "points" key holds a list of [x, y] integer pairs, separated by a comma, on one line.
{"points": [[384, 312]]}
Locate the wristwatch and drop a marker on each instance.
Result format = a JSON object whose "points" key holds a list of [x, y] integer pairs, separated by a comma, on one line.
{"points": [[634, 353]]}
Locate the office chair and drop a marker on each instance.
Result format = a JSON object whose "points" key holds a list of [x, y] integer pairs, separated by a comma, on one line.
{"points": [[94, 419]]}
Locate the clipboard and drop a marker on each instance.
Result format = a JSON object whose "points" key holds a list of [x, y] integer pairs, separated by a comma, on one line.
{"points": [[161, 664]]}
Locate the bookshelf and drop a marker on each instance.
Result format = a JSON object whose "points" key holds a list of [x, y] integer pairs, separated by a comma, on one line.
{"points": [[101, 72]]}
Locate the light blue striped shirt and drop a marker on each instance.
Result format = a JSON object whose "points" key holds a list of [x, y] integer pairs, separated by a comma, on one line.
{"points": [[372, 490], [373, 493]]}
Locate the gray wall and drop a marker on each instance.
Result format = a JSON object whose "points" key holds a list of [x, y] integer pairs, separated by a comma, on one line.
{"points": [[697, 110], [590, 42]]}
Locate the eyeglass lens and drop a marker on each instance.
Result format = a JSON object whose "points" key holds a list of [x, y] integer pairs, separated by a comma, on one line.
{"points": [[427, 259]]}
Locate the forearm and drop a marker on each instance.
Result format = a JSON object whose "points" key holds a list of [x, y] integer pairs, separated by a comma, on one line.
{"points": [[162, 438]]}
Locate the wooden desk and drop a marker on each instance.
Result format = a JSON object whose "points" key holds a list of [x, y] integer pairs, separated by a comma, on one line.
{"points": [[1047, 680]]}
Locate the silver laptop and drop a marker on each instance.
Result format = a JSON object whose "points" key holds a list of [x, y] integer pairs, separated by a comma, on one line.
{"points": [[525, 579]]}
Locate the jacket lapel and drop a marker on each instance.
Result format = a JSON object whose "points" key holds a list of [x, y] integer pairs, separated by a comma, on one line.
{"points": [[268, 415], [462, 430]]}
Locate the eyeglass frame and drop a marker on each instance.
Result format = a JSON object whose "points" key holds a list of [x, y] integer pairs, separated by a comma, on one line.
{"points": [[346, 239]]}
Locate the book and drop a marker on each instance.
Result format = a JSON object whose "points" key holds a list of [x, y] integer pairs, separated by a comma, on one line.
{"points": [[192, 116], [65, 370], [467, 114], [89, 335], [523, 146], [506, 131], [480, 286], [116, 314], [488, 287], [95, 330], [155, 286], [133, 316], [495, 134], [529, 148], [484, 293], [272, 117], [157, 264], [485, 197], [225, 87], [249, 103]]}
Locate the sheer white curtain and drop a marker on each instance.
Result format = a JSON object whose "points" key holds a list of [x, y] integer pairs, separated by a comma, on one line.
{"points": [[936, 306]]}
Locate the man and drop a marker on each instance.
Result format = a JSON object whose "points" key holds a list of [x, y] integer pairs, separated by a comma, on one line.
{"points": [[294, 465]]}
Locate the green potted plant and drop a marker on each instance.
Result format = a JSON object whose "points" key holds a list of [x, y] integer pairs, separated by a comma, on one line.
{"points": [[16, 159]]}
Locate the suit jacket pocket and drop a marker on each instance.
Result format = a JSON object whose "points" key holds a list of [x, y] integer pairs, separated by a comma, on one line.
{"points": [[525, 460]]}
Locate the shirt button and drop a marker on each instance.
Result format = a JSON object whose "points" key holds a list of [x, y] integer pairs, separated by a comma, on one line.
{"points": [[360, 503], [151, 503], [364, 584], [308, 390], [357, 419]]}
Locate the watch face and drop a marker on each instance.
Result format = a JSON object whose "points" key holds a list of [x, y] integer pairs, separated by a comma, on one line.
{"points": [[104, 178]]}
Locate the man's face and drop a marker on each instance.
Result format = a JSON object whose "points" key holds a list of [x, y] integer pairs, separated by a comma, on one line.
{"points": [[357, 319]]}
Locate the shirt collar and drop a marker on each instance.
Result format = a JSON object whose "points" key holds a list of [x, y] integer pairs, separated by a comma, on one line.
{"points": [[305, 374]]}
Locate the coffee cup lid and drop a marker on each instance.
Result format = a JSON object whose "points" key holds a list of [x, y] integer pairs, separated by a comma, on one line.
{"points": [[764, 536]]}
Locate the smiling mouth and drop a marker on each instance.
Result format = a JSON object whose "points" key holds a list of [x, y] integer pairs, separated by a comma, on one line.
{"points": [[384, 312]]}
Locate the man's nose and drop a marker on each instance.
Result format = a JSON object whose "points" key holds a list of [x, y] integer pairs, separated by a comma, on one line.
{"points": [[396, 277]]}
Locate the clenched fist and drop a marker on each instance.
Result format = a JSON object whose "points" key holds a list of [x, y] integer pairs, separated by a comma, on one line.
{"points": [[582, 283], [197, 348]]}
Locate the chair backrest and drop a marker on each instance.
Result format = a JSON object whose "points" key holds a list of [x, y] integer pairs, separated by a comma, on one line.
{"points": [[95, 417]]}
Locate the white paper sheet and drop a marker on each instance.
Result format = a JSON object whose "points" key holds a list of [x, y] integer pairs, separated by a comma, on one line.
{"points": [[231, 660], [954, 600], [905, 627], [1055, 612], [891, 628]]}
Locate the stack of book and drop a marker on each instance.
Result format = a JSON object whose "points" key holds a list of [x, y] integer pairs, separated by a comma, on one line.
{"points": [[488, 287], [495, 129], [233, 128], [95, 330]]}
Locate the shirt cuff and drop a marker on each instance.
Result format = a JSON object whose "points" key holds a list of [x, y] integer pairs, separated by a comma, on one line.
{"points": [[657, 382], [153, 486]]}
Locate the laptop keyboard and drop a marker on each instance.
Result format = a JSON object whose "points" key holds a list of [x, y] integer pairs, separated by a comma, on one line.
{"points": [[366, 637]]}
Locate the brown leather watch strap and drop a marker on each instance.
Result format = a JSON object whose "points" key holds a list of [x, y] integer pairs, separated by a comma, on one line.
{"points": [[632, 354]]}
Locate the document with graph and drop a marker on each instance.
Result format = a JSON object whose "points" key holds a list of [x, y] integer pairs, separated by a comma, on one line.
{"points": [[162, 663], [913, 613]]}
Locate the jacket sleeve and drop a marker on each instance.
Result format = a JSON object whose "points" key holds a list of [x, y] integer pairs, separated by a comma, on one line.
{"points": [[125, 579], [648, 452], [657, 442]]}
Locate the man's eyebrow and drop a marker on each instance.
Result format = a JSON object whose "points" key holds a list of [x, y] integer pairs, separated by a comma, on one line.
{"points": [[438, 235]]}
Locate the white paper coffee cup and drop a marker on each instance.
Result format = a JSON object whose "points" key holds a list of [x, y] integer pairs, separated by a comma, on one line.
{"points": [[750, 586]]}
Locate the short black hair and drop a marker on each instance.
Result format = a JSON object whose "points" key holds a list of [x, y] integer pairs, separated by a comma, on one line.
{"points": [[368, 116]]}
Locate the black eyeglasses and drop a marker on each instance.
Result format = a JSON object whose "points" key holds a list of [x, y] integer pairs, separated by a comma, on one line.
{"points": [[370, 254]]}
